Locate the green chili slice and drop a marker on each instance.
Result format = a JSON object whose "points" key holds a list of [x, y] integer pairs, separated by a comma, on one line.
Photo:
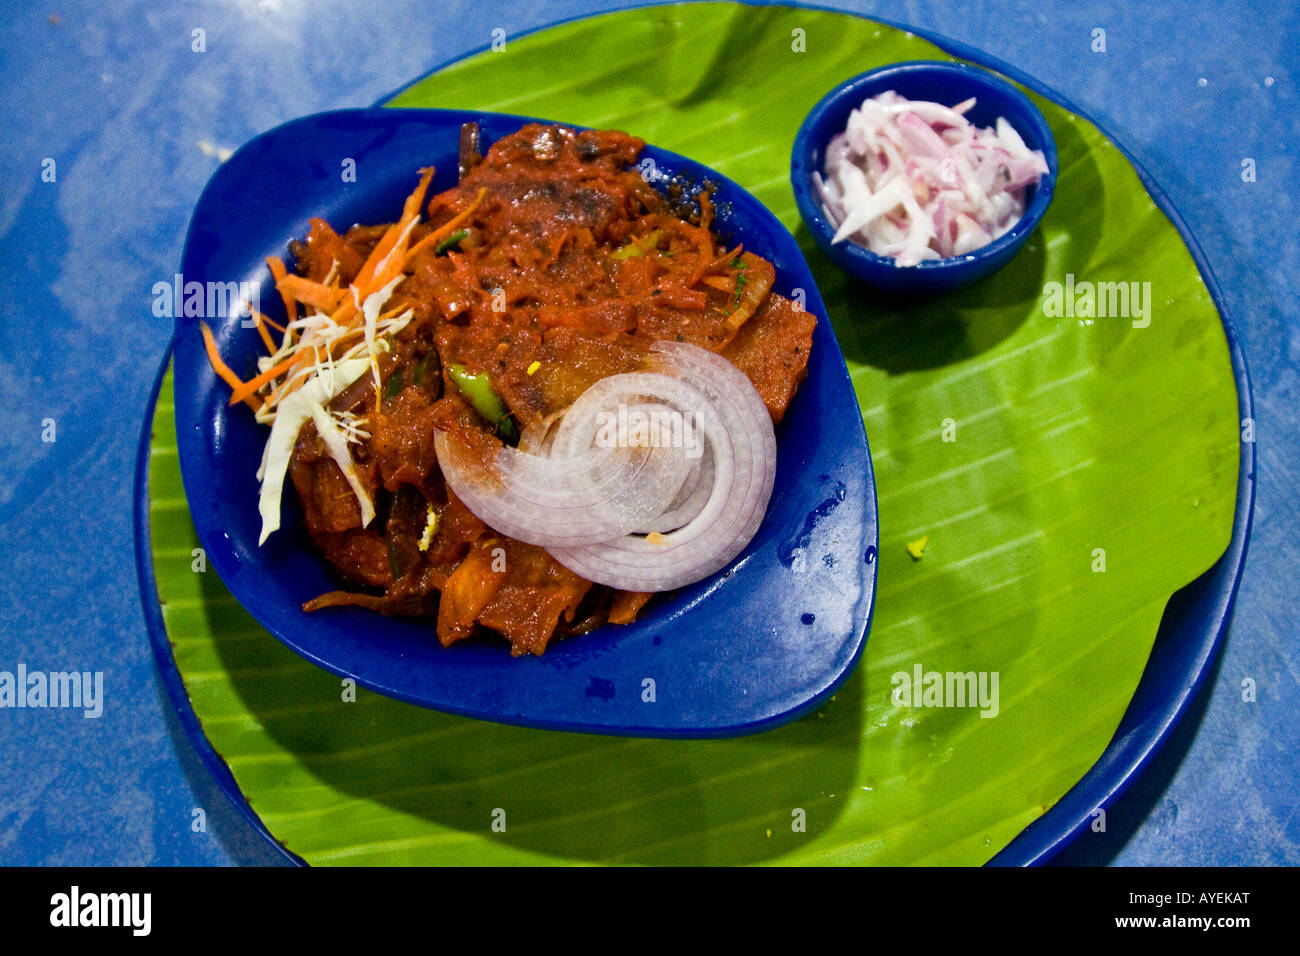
{"points": [[740, 289], [451, 242], [477, 389], [421, 367], [637, 247]]}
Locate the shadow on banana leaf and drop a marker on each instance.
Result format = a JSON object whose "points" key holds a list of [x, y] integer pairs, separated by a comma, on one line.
{"points": [[900, 335], [574, 796]]}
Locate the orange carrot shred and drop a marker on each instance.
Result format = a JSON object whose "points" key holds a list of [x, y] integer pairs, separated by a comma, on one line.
{"points": [[278, 271], [369, 279], [246, 389], [271, 322], [309, 293], [220, 367], [411, 208], [378, 270], [447, 228], [386, 244], [706, 209], [706, 266], [261, 330], [284, 391]]}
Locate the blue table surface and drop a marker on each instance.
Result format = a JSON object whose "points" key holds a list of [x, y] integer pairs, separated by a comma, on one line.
{"points": [[134, 121]]}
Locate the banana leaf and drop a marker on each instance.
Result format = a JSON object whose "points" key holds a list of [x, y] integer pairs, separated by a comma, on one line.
{"points": [[1067, 473]]}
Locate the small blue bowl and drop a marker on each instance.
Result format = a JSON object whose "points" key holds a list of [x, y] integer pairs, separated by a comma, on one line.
{"points": [[939, 82]]}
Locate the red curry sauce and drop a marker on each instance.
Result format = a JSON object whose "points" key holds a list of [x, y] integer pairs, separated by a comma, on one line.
{"points": [[567, 270]]}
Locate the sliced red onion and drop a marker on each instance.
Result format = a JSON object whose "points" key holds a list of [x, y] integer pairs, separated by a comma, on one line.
{"points": [[626, 506], [913, 180], [743, 445], [690, 501], [536, 438], [615, 400], [601, 494]]}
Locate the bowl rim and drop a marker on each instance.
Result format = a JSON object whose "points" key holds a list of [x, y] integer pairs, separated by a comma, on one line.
{"points": [[810, 208]]}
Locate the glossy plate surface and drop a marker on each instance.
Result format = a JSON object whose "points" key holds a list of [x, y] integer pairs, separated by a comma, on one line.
{"points": [[750, 648]]}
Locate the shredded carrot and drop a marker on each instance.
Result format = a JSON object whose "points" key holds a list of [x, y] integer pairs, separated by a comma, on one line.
{"points": [[261, 330], [704, 268], [728, 256], [346, 311], [554, 254], [388, 269], [246, 389], [278, 271], [220, 367], [364, 283], [411, 208], [378, 254], [702, 239], [410, 212], [370, 278], [447, 228], [214, 356], [271, 322], [291, 385], [309, 293]]}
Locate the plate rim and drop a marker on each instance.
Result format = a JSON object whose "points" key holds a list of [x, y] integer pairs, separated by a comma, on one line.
{"points": [[159, 640], [1136, 741]]}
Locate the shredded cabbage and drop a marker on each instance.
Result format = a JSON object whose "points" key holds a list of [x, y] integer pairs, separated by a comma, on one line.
{"points": [[309, 403]]}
